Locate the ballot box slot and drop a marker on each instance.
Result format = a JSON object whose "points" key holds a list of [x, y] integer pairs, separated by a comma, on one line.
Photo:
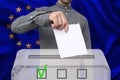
{"points": [[58, 57]]}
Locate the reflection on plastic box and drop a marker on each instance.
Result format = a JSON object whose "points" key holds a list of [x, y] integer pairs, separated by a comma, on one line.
{"points": [[92, 66]]}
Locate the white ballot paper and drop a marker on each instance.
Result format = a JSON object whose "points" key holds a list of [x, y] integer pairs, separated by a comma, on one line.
{"points": [[71, 43]]}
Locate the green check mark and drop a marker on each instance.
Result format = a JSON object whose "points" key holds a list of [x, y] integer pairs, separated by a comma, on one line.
{"points": [[43, 72]]}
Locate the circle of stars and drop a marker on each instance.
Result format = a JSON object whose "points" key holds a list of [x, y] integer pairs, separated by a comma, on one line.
{"points": [[12, 36]]}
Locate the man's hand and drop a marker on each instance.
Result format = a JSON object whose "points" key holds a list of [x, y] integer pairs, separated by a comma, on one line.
{"points": [[59, 20]]}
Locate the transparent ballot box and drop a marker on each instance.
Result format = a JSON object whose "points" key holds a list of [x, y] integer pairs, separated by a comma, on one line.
{"points": [[46, 64]]}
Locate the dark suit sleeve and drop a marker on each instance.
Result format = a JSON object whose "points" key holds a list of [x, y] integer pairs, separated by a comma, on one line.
{"points": [[31, 21]]}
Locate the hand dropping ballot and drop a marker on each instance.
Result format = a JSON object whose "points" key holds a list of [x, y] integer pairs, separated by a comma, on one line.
{"points": [[71, 43]]}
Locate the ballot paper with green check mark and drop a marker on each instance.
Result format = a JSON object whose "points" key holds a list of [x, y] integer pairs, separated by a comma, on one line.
{"points": [[71, 43]]}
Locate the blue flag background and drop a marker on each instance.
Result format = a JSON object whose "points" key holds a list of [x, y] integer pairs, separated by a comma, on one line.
{"points": [[104, 22]]}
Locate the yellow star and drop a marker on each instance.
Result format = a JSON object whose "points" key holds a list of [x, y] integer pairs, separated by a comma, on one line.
{"points": [[19, 43], [28, 7], [28, 45], [18, 9], [11, 36], [8, 26], [11, 17], [37, 42]]}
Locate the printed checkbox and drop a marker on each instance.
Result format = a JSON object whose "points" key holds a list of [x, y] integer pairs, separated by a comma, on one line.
{"points": [[81, 73], [61, 73]]}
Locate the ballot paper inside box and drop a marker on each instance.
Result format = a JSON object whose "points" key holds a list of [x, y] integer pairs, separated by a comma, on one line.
{"points": [[92, 66]]}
